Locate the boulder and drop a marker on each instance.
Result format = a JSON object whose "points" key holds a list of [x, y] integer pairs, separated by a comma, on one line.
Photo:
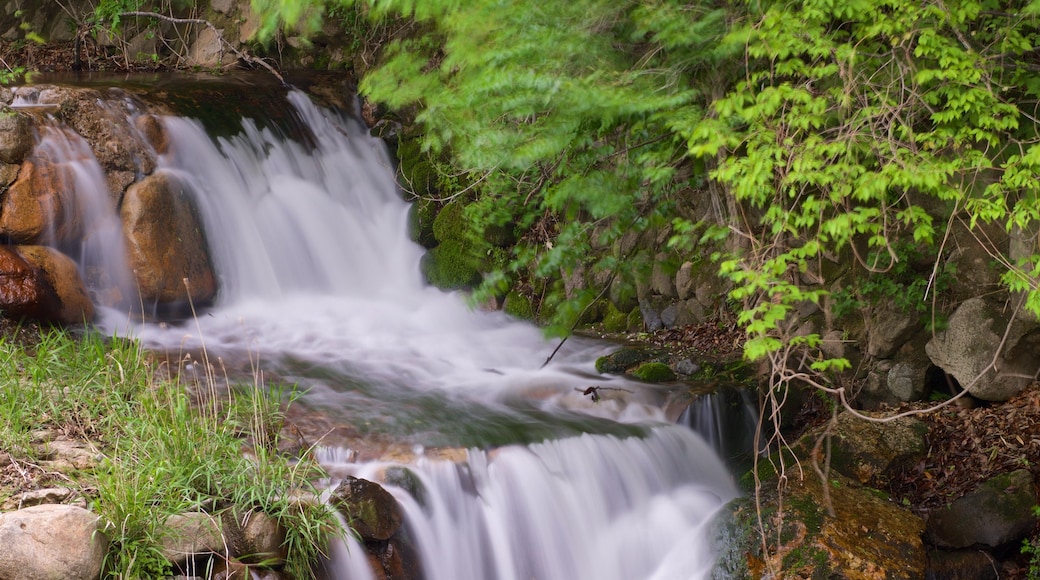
{"points": [[871, 452], [33, 210], [369, 509], [48, 542], [191, 533], [888, 328], [42, 284], [998, 511], [61, 275], [16, 137], [969, 344], [254, 537], [864, 538], [165, 243]]}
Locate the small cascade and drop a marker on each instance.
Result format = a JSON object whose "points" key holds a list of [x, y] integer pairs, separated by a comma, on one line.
{"points": [[595, 507], [727, 419], [87, 227]]}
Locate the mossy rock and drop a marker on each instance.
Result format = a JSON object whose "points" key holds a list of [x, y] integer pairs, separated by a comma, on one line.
{"points": [[518, 305], [451, 266], [654, 372], [867, 537], [450, 223], [614, 320], [416, 171], [623, 359], [635, 320], [420, 222]]}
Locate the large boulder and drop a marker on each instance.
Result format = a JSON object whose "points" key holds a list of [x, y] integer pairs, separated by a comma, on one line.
{"points": [[40, 283], [864, 538], [872, 452], [51, 542], [998, 511], [165, 243], [969, 345]]}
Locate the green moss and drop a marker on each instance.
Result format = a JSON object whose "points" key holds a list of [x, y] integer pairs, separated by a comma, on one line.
{"points": [[450, 266], [518, 305], [654, 372], [635, 320], [450, 223], [420, 222], [623, 359], [614, 320], [416, 172]]}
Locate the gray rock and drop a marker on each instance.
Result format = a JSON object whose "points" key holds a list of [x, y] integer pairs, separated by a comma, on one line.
{"points": [[997, 512], [687, 367], [969, 344], [191, 533], [684, 282], [51, 542], [888, 328]]}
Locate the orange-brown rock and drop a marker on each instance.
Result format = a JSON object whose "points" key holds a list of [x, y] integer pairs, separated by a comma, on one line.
{"points": [[154, 132], [33, 209], [165, 243], [43, 284]]}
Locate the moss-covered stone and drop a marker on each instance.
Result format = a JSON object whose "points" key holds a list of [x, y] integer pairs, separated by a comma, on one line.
{"points": [[451, 266], [518, 305], [623, 359], [420, 222], [450, 223], [654, 372], [416, 172], [614, 320], [635, 320]]}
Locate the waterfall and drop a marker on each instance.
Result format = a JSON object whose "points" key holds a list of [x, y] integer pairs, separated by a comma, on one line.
{"points": [[319, 281], [91, 232], [595, 507]]}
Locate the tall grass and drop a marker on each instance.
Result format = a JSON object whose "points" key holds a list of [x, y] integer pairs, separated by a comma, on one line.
{"points": [[163, 451]]}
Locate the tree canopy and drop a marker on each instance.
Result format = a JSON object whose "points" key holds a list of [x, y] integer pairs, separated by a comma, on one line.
{"points": [[812, 128]]}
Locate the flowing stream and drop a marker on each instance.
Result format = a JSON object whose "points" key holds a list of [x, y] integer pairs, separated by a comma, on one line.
{"points": [[320, 286]]}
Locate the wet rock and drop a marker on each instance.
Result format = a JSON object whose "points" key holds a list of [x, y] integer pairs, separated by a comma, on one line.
{"points": [[165, 243], [154, 133], [369, 509], [42, 284], [33, 210], [997, 512], [51, 541], [61, 275], [623, 359], [969, 344], [16, 137]]}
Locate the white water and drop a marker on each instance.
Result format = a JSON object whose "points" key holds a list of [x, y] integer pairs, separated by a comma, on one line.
{"points": [[320, 282], [95, 236]]}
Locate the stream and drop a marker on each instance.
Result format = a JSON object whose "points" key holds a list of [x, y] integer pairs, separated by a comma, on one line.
{"points": [[320, 287]]}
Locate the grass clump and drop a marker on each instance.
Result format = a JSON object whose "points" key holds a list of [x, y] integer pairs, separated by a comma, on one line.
{"points": [[162, 451]]}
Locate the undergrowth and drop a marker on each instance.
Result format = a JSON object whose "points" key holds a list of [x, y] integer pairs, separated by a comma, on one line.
{"points": [[163, 451]]}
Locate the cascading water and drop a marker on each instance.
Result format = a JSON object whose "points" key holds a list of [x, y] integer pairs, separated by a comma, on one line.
{"points": [[319, 280]]}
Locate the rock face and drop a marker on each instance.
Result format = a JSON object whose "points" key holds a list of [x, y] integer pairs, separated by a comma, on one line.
{"points": [[15, 137], [970, 343], [51, 542], [165, 242], [33, 209]]}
